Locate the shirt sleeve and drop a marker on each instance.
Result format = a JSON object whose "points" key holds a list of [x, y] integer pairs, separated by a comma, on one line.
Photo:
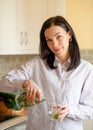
{"points": [[84, 110], [14, 79]]}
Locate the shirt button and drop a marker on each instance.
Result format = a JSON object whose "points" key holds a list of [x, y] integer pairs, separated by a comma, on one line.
{"points": [[58, 78], [63, 81]]}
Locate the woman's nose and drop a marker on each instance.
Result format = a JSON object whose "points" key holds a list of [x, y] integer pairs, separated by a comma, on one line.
{"points": [[55, 43]]}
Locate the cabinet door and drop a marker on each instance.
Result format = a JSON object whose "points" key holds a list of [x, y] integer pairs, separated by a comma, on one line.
{"points": [[20, 23], [8, 26], [31, 15]]}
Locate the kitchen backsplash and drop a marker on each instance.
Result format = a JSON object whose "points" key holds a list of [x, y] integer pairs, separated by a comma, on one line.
{"points": [[9, 62]]}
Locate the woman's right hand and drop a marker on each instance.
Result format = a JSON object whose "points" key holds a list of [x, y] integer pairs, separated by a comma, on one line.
{"points": [[32, 91]]}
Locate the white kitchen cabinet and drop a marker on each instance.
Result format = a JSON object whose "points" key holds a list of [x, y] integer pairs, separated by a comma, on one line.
{"points": [[30, 18], [20, 23], [8, 26]]}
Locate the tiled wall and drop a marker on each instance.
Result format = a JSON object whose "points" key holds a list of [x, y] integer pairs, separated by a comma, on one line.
{"points": [[9, 62], [87, 55]]}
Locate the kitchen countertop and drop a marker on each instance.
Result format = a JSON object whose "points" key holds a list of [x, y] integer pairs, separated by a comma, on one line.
{"points": [[11, 122]]}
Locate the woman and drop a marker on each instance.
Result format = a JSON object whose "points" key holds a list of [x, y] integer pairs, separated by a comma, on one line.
{"points": [[57, 74]]}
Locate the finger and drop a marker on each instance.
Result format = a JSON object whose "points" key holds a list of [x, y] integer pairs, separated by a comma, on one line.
{"points": [[63, 111], [62, 107], [29, 94], [39, 94], [33, 97], [61, 117], [53, 106], [25, 84], [59, 106]]}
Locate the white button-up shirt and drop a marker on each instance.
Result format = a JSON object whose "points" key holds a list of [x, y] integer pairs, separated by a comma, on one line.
{"points": [[74, 88]]}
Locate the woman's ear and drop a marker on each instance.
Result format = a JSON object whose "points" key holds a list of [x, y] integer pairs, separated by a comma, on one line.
{"points": [[70, 34]]}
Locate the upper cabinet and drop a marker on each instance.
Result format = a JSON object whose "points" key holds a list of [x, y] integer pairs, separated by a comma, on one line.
{"points": [[8, 26], [31, 14], [21, 21]]}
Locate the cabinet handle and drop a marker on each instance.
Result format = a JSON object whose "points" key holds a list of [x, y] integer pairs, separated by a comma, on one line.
{"points": [[23, 38], [26, 38]]}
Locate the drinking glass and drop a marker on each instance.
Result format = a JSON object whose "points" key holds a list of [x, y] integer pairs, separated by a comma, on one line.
{"points": [[52, 110]]}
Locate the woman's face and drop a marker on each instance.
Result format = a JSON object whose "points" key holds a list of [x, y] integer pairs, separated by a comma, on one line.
{"points": [[58, 41]]}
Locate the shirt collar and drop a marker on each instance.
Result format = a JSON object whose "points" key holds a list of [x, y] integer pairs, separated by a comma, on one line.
{"points": [[65, 65]]}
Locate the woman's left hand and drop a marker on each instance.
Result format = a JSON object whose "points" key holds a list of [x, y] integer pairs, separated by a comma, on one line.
{"points": [[63, 111]]}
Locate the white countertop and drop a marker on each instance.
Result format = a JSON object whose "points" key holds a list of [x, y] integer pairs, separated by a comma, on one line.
{"points": [[12, 122]]}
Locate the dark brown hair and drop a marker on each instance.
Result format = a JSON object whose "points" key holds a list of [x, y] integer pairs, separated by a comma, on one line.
{"points": [[47, 55]]}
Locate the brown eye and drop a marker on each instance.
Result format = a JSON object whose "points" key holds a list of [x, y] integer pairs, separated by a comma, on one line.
{"points": [[59, 36], [48, 40]]}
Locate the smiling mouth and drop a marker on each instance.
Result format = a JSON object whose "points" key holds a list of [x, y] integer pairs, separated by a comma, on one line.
{"points": [[57, 50]]}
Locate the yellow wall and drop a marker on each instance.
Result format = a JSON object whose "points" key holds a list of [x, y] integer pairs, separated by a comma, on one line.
{"points": [[80, 15]]}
